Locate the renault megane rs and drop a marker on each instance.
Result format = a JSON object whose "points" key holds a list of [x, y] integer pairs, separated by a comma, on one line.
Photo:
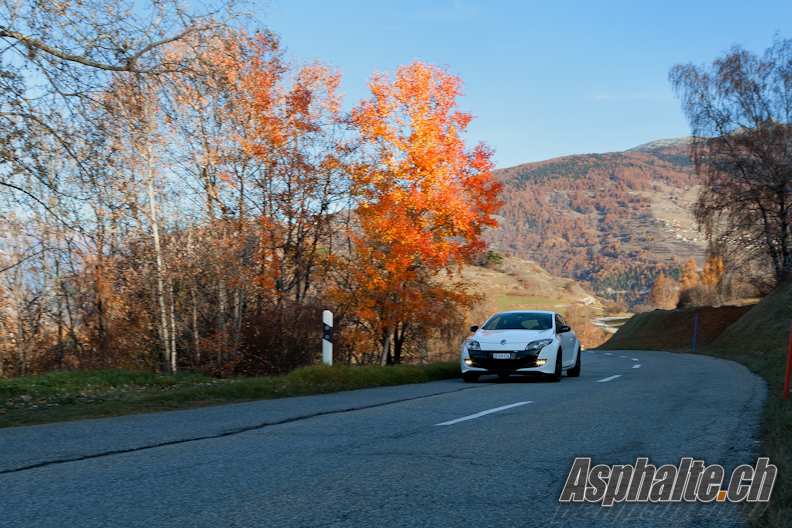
{"points": [[523, 343]]}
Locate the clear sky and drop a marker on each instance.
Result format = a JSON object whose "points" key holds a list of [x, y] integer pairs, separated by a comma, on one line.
{"points": [[543, 78]]}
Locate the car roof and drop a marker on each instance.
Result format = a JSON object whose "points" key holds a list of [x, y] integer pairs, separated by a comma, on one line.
{"points": [[524, 311]]}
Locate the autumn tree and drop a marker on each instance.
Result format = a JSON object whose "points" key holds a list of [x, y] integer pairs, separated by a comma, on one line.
{"points": [[292, 133], [713, 271], [581, 318], [59, 53], [712, 290], [422, 199], [256, 139], [665, 293], [690, 276], [740, 108], [56, 61]]}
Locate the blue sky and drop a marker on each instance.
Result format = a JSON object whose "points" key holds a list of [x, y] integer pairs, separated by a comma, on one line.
{"points": [[544, 79]]}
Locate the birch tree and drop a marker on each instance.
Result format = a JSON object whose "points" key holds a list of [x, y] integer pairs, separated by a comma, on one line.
{"points": [[740, 108]]}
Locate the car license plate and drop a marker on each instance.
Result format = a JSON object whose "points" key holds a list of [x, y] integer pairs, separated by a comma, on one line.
{"points": [[501, 355]]}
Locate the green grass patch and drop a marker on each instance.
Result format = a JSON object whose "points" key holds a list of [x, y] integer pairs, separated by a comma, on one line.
{"points": [[65, 396], [505, 302]]}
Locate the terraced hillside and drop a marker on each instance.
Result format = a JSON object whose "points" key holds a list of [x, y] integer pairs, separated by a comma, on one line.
{"points": [[613, 220]]}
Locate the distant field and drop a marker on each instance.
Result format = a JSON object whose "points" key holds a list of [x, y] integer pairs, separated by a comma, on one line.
{"points": [[510, 301], [518, 284]]}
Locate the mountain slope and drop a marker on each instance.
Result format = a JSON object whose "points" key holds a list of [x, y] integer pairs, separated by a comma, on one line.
{"points": [[613, 220]]}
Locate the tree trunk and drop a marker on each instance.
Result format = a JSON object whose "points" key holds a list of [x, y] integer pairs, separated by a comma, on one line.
{"points": [[398, 343], [158, 255], [173, 327], [196, 338], [237, 318], [386, 348], [221, 318], [5, 345], [59, 307], [194, 299]]}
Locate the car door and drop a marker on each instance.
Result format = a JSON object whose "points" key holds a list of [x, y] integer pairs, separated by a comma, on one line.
{"points": [[567, 342]]}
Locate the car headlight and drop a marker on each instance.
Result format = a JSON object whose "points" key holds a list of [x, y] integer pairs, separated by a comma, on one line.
{"points": [[473, 345], [536, 346]]}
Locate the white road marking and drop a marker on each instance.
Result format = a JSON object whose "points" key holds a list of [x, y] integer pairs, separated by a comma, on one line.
{"points": [[608, 354], [482, 413], [622, 356], [637, 366], [608, 379], [589, 351], [635, 359]]}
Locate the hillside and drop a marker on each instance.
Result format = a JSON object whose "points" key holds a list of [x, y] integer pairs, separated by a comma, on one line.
{"points": [[673, 330], [764, 331], [612, 220], [518, 284]]}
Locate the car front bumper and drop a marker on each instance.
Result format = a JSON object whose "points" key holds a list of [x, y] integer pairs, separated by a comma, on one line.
{"points": [[519, 362]]}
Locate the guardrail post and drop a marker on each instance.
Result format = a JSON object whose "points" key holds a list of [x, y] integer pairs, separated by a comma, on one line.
{"points": [[327, 337], [695, 331]]}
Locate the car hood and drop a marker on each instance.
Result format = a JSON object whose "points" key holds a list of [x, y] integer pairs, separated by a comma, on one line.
{"points": [[514, 339]]}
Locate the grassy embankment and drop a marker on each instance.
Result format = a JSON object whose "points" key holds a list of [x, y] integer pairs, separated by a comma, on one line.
{"points": [[64, 396], [759, 340]]}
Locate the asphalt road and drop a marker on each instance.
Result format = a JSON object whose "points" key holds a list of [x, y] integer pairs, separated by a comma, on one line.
{"points": [[378, 457]]}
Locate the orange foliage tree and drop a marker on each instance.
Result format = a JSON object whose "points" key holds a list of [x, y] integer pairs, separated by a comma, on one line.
{"points": [[272, 172], [422, 199], [690, 276], [665, 293], [713, 270]]}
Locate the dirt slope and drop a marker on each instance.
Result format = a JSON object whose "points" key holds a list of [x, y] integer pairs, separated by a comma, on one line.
{"points": [[765, 329], [673, 330]]}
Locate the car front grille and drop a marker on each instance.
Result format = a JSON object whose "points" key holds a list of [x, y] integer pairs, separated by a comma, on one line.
{"points": [[520, 359]]}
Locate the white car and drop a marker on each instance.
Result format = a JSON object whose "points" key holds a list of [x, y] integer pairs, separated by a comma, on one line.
{"points": [[521, 342]]}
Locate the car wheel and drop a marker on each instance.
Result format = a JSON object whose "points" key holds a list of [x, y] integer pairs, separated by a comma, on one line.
{"points": [[470, 377], [556, 376], [574, 372], [504, 375]]}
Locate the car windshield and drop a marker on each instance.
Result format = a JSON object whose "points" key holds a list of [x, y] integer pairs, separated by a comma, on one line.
{"points": [[520, 321]]}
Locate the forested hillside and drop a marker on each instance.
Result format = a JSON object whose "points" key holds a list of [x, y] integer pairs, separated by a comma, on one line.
{"points": [[614, 220]]}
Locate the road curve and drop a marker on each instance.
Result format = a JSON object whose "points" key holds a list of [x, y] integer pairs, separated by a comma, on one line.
{"points": [[495, 453]]}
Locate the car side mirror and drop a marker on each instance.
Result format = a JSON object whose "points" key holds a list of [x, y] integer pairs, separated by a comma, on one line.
{"points": [[564, 328], [473, 328]]}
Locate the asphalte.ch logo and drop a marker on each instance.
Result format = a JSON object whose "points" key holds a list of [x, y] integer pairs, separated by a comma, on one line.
{"points": [[691, 481], [665, 487]]}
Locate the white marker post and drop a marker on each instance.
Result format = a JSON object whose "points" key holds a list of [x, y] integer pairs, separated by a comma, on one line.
{"points": [[327, 337]]}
